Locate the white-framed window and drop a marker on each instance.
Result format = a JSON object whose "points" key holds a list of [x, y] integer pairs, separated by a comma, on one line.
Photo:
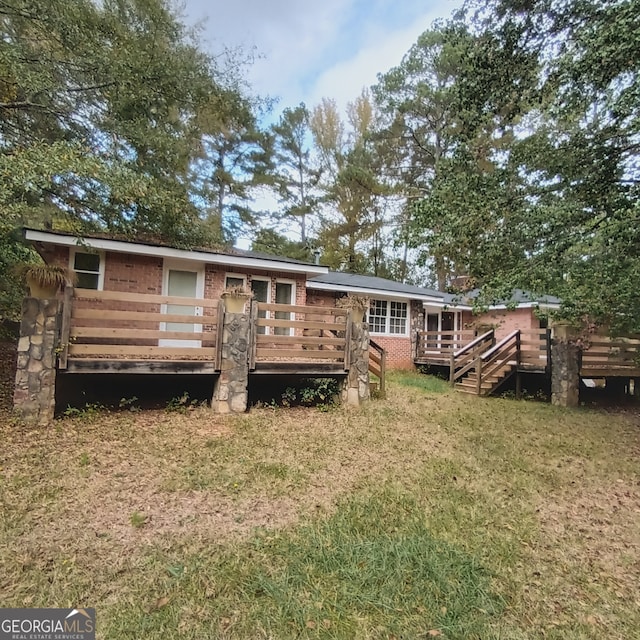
{"points": [[89, 268], [388, 317], [235, 280]]}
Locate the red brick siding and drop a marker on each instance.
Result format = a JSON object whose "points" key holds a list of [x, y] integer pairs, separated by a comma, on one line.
{"points": [[399, 351], [136, 274], [504, 321]]}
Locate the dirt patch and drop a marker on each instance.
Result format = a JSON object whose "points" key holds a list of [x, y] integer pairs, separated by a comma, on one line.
{"points": [[598, 527]]}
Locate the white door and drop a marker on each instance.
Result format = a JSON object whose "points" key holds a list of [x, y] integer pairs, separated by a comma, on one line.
{"points": [[184, 283]]}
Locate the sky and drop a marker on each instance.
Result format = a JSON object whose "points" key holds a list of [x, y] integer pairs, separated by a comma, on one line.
{"points": [[310, 49]]}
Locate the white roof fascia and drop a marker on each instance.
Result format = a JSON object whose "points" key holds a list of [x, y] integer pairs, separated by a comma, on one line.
{"points": [[178, 254], [524, 305], [451, 305], [380, 293]]}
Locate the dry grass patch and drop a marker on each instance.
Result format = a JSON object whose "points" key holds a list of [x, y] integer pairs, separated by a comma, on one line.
{"points": [[429, 511]]}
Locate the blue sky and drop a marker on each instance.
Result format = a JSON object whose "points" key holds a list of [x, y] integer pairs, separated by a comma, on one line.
{"points": [[316, 48]]}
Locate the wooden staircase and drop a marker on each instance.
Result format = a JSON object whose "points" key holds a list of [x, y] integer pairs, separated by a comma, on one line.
{"points": [[482, 366]]}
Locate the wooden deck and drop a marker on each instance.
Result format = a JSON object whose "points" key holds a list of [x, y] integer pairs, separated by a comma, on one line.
{"points": [[481, 366], [119, 332], [301, 340]]}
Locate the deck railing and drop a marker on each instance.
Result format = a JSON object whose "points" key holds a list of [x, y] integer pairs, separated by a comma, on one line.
{"points": [[534, 348], [441, 343], [491, 364], [610, 356], [120, 325], [105, 331], [286, 332]]}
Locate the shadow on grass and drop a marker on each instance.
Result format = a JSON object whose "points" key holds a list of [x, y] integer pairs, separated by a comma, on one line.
{"points": [[372, 569]]}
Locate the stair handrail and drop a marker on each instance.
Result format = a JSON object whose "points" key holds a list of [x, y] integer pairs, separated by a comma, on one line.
{"points": [[492, 356], [497, 347], [458, 369], [381, 371], [473, 343]]}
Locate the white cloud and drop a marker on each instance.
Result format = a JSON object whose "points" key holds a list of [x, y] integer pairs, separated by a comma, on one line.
{"points": [[313, 49]]}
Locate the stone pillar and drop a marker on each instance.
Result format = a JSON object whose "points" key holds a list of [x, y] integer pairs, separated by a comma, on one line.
{"points": [[230, 390], [356, 388], [35, 389], [565, 373]]}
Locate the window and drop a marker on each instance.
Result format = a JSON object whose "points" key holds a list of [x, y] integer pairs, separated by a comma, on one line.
{"points": [[378, 316], [398, 318], [388, 316], [88, 268], [232, 280]]}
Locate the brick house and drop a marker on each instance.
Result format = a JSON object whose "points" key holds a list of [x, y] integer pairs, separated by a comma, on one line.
{"points": [[397, 314]]}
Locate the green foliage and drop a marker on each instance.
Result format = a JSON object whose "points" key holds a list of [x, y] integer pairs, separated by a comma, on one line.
{"points": [[352, 187], [313, 392], [89, 413], [521, 127], [273, 243], [181, 404], [104, 106]]}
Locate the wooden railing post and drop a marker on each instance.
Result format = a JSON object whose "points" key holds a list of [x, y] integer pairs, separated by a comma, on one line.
{"points": [[219, 333], [65, 329], [383, 369], [253, 334], [452, 368], [479, 374]]}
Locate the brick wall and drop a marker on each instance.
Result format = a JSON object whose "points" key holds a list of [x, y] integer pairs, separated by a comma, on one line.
{"points": [[215, 276], [136, 274], [505, 321], [399, 351]]}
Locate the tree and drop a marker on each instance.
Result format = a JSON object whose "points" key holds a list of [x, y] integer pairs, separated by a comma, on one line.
{"points": [[577, 154], [438, 151], [296, 177], [98, 104], [235, 159], [273, 243], [352, 189]]}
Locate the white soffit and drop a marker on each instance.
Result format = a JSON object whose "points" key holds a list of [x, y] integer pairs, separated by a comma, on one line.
{"points": [[178, 254]]}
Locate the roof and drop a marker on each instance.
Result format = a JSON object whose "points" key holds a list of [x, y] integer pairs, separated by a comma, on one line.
{"points": [[520, 298], [228, 257], [371, 285]]}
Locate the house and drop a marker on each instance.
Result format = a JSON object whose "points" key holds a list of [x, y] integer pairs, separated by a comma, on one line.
{"points": [[400, 315], [145, 308]]}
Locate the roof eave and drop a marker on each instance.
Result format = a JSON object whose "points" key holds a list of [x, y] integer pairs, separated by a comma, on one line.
{"points": [[135, 248]]}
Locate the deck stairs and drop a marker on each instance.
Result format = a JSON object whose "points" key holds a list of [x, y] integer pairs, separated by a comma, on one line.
{"points": [[483, 366]]}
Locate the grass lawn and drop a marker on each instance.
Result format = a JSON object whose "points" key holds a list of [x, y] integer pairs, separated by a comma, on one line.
{"points": [[428, 514]]}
